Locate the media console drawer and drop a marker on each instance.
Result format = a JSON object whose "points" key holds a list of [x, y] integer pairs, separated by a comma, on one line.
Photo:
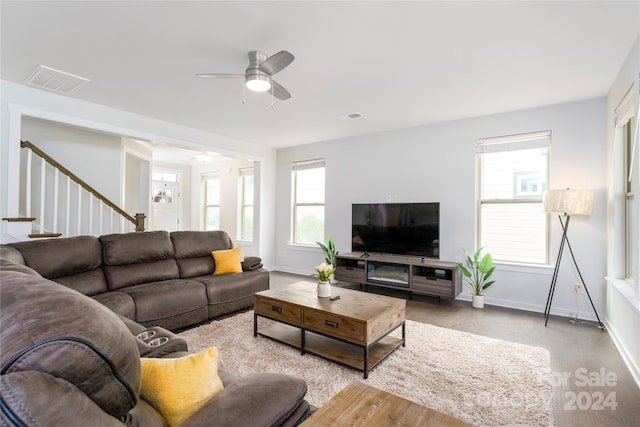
{"points": [[348, 274], [435, 287]]}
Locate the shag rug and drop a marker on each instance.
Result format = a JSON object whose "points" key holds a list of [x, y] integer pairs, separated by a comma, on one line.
{"points": [[483, 381]]}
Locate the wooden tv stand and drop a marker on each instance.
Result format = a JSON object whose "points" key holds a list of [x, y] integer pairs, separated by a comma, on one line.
{"points": [[413, 274]]}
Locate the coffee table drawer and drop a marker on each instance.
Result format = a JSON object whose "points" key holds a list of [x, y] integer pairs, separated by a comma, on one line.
{"points": [[278, 310], [335, 326]]}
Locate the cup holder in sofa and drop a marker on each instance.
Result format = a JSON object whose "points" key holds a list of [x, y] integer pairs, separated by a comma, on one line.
{"points": [[145, 335], [158, 341]]}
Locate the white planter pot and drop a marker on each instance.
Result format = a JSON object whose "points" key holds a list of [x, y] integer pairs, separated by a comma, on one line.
{"points": [[477, 301], [324, 290]]}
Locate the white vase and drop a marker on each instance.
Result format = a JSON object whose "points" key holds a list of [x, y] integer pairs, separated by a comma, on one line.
{"points": [[324, 290], [477, 301]]}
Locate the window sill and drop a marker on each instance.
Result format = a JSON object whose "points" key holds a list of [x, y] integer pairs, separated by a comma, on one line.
{"points": [[546, 270], [304, 248], [626, 291]]}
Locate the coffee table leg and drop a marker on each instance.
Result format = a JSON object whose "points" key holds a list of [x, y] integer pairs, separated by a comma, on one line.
{"points": [[366, 362], [255, 325], [302, 341], [404, 334]]}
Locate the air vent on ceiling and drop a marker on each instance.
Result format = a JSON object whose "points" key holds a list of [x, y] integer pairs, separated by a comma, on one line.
{"points": [[55, 80], [350, 116]]}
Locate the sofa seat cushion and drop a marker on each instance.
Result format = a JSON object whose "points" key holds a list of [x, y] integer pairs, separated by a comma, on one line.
{"points": [[232, 292], [118, 302], [171, 304], [262, 399], [54, 330]]}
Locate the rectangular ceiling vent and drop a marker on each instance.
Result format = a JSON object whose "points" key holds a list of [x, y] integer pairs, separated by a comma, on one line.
{"points": [[55, 80], [351, 116]]}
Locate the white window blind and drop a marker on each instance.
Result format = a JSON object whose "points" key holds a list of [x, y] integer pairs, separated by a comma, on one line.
{"points": [[245, 222], [211, 185], [308, 191], [627, 124], [512, 176]]}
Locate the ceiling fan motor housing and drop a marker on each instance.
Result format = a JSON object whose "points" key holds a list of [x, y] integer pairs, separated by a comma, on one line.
{"points": [[256, 79]]}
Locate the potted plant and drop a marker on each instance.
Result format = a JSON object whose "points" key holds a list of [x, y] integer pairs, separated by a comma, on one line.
{"points": [[323, 273], [329, 251], [476, 273]]}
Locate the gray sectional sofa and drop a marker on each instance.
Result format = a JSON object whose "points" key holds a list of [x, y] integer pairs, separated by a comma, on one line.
{"points": [[73, 358], [154, 278]]}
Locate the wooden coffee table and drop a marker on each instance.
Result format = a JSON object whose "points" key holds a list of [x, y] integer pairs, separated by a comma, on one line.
{"points": [[352, 331], [360, 405]]}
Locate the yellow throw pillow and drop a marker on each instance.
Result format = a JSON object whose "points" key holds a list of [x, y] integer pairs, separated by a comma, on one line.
{"points": [[227, 261], [177, 388]]}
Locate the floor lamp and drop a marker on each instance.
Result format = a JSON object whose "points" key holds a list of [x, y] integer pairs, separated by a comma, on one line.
{"points": [[567, 203]]}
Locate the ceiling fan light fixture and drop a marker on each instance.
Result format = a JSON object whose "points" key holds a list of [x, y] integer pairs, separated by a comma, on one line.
{"points": [[258, 83]]}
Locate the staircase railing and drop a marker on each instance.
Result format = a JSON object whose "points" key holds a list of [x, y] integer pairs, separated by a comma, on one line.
{"points": [[54, 206]]}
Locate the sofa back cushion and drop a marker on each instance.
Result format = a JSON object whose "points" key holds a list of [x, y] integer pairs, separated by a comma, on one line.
{"points": [[193, 250], [71, 261], [54, 330], [140, 257]]}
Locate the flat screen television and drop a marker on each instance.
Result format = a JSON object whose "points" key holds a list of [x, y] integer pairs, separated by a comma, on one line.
{"points": [[396, 228]]}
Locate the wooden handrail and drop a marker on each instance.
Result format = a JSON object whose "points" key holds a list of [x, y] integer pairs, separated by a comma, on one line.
{"points": [[135, 221]]}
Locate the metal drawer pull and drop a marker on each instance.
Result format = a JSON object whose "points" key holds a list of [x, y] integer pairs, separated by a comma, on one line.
{"points": [[276, 309], [330, 323]]}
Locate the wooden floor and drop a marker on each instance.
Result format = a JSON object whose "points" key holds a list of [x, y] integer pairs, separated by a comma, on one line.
{"points": [[585, 356]]}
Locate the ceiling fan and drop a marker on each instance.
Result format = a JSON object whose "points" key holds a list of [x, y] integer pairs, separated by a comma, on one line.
{"points": [[258, 74]]}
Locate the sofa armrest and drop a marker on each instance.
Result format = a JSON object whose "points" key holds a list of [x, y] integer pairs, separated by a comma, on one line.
{"points": [[262, 399], [36, 398]]}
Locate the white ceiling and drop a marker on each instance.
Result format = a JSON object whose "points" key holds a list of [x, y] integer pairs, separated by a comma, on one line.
{"points": [[401, 64]]}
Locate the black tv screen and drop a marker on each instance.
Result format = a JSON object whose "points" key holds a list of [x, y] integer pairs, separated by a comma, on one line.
{"points": [[396, 228]]}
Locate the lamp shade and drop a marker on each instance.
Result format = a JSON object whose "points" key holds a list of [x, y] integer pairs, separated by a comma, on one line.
{"points": [[569, 202]]}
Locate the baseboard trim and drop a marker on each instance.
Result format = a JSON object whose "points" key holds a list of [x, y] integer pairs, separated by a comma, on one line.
{"points": [[626, 357]]}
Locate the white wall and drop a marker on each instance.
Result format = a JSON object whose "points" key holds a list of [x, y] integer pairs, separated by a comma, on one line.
{"points": [[437, 163], [94, 157], [623, 304]]}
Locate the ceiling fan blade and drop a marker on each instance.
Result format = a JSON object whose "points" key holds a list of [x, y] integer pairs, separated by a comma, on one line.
{"points": [[276, 62], [279, 91], [220, 76]]}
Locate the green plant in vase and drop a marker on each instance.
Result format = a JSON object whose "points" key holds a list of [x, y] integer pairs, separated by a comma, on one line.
{"points": [[329, 251], [476, 274]]}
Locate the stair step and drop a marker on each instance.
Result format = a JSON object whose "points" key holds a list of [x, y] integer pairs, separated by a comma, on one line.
{"points": [[44, 235], [19, 219]]}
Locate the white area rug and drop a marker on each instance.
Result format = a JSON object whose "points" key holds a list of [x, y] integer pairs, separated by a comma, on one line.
{"points": [[480, 380]]}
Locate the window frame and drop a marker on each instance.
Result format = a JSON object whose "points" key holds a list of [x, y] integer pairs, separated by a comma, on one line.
{"points": [[627, 122], [530, 140], [206, 177], [295, 167], [243, 174]]}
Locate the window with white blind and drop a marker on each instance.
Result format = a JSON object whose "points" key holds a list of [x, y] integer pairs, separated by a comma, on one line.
{"points": [[307, 180], [211, 185], [627, 141], [245, 189], [512, 175]]}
